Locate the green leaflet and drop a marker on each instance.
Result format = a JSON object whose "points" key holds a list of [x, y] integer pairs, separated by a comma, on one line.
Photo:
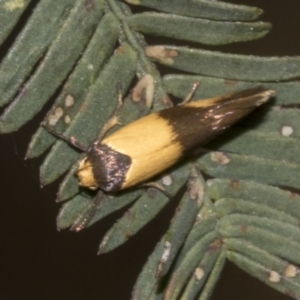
{"points": [[180, 85], [69, 186], [10, 12], [271, 270], [273, 236], [55, 66], [98, 51], [269, 171], [285, 202], [281, 121], [76, 210], [71, 210], [196, 30], [189, 264], [215, 10], [146, 284], [260, 144], [185, 217], [145, 209], [30, 45], [206, 269], [223, 65]]}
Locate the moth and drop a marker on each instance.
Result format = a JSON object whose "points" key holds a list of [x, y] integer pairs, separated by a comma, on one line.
{"points": [[146, 147]]}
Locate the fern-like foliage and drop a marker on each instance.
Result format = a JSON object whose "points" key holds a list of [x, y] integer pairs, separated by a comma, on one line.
{"points": [[79, 50]]}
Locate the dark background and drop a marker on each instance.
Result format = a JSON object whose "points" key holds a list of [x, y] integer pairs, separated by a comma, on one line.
{"points": [[38, 262]]}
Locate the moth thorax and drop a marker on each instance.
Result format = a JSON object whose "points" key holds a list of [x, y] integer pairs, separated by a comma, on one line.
{"points": [[85, 174]]}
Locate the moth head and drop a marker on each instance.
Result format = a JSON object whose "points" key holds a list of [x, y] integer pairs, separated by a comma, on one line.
{"points": [[85, 174]]}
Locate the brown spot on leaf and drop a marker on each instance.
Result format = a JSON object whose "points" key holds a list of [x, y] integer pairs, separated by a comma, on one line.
{"points": [[235, 184], [129, 214], [215, 245], [82, 106], [127, 235], [178, 209], [230, 82], [291, 194], [290, 294], [152, 192], [89, 5], [120, 49], [244, 229]]}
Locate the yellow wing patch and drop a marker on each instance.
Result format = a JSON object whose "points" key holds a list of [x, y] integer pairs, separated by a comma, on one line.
{"points": [[150, 143]]}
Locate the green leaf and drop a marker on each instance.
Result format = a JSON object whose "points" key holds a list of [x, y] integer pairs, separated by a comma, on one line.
{"points": [[272, 197], [196, 30], [31, 45], [189, 264], [215, 10], [229, 165], [214, 276], [54, 67], [144, 210], [279, 120], [69, 186], [208, 266], [184, 218], [287, 93], [10, 12], [259, 228], [261, 144], [272, 270], [223, 65], [75, 89], [226, 206], [146, 281], [273, 236], [72, 210]]}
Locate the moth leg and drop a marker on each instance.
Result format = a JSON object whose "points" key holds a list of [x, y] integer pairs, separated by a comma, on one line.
{"points": [[70, 140], [190, 95], [85, 218], [158, 187], [113, 119]]}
